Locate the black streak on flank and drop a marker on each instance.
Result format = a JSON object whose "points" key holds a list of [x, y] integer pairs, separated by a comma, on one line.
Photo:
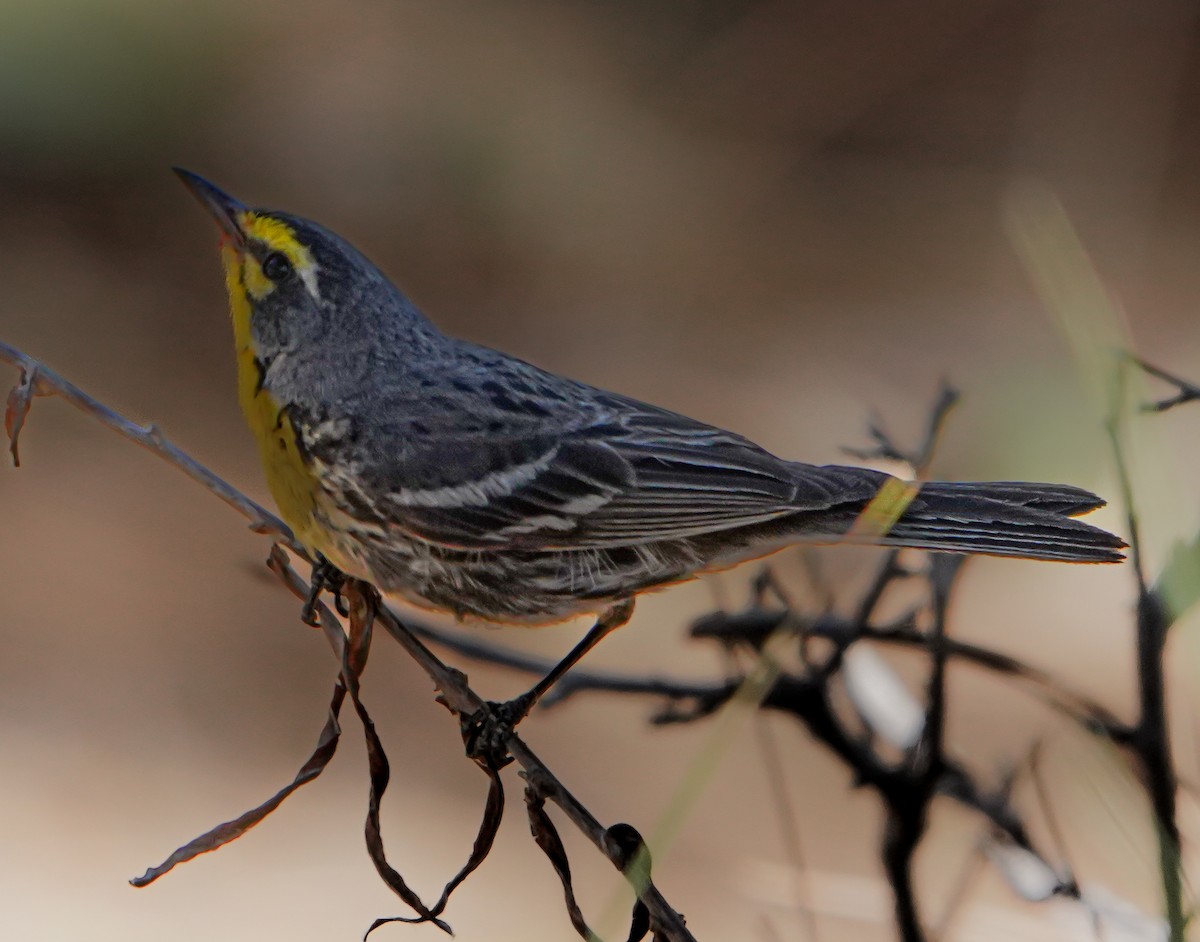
{"points": [[261, 366]]}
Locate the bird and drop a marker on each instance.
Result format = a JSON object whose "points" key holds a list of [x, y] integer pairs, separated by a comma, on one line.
{"points": [[465, 480]]}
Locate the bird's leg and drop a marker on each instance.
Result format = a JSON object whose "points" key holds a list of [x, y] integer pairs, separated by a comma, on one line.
{"points": [[486, 731], [325, 577], [609, 621]]}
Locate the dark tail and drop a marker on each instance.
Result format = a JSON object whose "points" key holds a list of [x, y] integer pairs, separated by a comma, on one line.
{"points": [[1006, 518]]}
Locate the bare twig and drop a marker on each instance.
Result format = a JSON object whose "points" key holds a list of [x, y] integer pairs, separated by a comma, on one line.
{"points": [[1069, 885], [37, 379], [457, 696], [921, 457], [1188, 392], [907, 789], [919, 460], [464, 703], [908, 798], [755, 626], [1150, 737]]}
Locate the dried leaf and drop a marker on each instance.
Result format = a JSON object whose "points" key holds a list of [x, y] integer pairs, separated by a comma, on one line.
{"points": [[639, 924], [362, 624], [493, 814], [489, 825], [231, 830], [546, 836], [354, 657], [20, 398], [380, 773]]}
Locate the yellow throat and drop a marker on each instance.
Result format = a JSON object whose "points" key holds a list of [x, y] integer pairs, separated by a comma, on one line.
{"points": [[292, 482]]}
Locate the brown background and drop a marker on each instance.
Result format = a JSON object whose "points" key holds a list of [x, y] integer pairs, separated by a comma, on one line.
{"points": [[773, 216]]}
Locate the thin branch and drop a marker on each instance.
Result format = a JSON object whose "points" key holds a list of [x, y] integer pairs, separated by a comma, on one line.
{"points": [[804, 698], [465, 703], [907, 789], [908, 798], [1188, 392], [1150, 737], [37, 379], [944, 568], [1084, 710], [1070, 885], [920, 458], [755, 626], [455, 694], [968, 874]]}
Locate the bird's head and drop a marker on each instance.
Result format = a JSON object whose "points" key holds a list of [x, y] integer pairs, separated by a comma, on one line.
{"points": [[294, 284]]}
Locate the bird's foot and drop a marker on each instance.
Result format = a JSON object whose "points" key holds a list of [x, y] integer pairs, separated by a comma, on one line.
{"points": [[486, 731], [326, 577]]}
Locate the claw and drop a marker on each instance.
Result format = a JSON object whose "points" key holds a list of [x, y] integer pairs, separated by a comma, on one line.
{"points": [[486, 731], [325, 577]]}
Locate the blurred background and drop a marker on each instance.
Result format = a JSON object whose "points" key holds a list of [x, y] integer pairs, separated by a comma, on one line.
{"points": [[778, 217]]}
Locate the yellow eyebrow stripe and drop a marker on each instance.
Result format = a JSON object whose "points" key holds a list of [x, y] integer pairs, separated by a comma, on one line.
{"points": [[278, 236]]}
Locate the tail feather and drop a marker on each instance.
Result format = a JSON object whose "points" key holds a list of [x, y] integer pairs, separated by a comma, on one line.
{"points": [[1006, 518], [1060, 499]]}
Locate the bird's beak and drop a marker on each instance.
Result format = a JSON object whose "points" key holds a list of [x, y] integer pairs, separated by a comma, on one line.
{"points": [[224, 208]]}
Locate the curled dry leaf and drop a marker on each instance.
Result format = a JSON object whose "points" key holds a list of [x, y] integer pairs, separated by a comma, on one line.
{"points": [[20, 399], [231, 830], [363, 606], [546, 836]]}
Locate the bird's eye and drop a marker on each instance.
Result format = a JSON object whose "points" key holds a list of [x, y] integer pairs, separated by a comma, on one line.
{"points": [[276, 266]]}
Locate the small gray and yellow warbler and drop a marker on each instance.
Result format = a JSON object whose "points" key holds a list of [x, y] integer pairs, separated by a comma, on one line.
{"points": [[466, 480]]}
